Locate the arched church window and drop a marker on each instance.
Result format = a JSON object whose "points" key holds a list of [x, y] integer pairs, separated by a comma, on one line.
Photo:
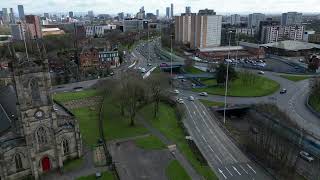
{"points": [[18, 162], [65, 146], [35, 92], [42, 136]]}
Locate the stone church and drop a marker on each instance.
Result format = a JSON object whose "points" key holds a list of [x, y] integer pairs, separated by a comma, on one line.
{"points": [[36, 134]]}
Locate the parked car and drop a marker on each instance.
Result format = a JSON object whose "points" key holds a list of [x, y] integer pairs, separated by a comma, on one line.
{"points": [[203, 94], [261, 72], [306, 156], [78, 89], [283, 91], [191, 98], [149, 64]]}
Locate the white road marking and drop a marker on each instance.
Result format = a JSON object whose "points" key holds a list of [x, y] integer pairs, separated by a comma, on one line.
{"points": [[229, 171], [251, 168], [214, 153], [204, 138], [243, 169], [220, 171], [197, 129], [236, 170]]}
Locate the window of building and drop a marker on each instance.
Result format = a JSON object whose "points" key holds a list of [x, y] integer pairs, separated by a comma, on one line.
{"points": [[65, 146], [18, 162], [42, 136], [35, 92]]}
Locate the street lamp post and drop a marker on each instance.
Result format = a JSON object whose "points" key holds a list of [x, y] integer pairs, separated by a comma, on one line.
{"points": [[171, 37], [227, 78]]}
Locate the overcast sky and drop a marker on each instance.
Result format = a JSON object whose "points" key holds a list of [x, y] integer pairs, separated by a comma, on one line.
{"points": [[132, 6]]}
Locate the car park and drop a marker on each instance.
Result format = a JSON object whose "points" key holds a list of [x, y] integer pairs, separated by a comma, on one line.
{"points": [[203, 94], [306, 156]]}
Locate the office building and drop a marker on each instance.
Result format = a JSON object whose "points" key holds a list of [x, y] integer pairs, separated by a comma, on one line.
{"points": [[314, 38], [235, 19], [21, 12], [255, 19], [168, 12], [11, 16], [5, 16], [188, 9], [90, 14], [142, 13], [131, 25], [270, 34], [46, 15], [121, 16], [98, 30], [206, 12], [33, 26], [171, 10], [70, 14], [17, 32], [157, 13], [291, 18], [307, 34]]}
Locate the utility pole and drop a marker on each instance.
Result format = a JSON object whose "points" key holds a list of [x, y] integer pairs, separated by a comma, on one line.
{"points": [[227, 77]]}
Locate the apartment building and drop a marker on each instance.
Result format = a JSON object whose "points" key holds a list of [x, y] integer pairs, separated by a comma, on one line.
{"points": [[277, 33]]}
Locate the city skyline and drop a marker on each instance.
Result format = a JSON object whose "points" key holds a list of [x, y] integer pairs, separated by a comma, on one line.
{"points": [[108, 7]]}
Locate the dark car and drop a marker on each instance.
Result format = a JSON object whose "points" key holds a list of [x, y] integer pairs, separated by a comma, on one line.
{"points": [[283, 91]]}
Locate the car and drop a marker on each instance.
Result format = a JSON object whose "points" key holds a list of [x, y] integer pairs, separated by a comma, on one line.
{"points": [[179, 100], [203, 94], [191, 98], [283, 91], [112, 73], [306, 156], [176, 91], [78, 89], [261, 72], [164, 65], [55, 108]]}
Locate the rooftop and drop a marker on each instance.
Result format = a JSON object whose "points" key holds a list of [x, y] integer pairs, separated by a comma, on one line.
{"points": [[221, 48], [291, 45]]}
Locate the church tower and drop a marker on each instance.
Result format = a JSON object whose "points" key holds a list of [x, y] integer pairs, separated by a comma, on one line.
{"points": [[38, 120]]}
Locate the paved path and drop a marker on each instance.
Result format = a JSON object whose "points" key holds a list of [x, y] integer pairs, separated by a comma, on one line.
{"points": [[177, 154], [86, 169]]}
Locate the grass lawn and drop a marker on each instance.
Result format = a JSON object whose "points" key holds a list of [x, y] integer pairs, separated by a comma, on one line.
{"points": [[72, 164], [211, 103], [150, 143], [69, 96], [167, 123], [105, 176], [261, 87], [88, 122], [314, 102], [175, 171], [192, 70], [295, 77], [116, 126]]}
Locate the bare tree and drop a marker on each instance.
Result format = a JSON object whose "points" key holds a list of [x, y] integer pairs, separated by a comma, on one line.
{"points": [[157, 83]]}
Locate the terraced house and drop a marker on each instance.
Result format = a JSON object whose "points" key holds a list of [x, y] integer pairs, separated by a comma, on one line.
{"points": [[35, 136]]}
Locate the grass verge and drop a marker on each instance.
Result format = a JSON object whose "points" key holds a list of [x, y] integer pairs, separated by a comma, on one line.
{"points": [[294, 77], [72, 164], [167, 123], [175, 171], [117, 126], [88, 122], [150, 143], [314, 102], [261, 87], [105, 176], [192, 70], [211, 103], [69, 96]]}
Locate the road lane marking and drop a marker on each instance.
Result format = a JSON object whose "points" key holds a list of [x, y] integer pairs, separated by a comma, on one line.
{"points": [[229, 171], [215, 154], [218, 140], [222, 173], [204, 139], [197, 129], [236, 170], [251, 168], [243, 169]]}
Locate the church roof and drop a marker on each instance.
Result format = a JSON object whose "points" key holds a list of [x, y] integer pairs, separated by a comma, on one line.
{"points": [[8, 107]]}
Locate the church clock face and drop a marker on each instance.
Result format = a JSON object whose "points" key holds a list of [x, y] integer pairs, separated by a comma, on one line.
{"points": [[39, 114]]}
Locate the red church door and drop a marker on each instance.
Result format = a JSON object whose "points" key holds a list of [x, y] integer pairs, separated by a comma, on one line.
{"points": [[45, 164]]}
